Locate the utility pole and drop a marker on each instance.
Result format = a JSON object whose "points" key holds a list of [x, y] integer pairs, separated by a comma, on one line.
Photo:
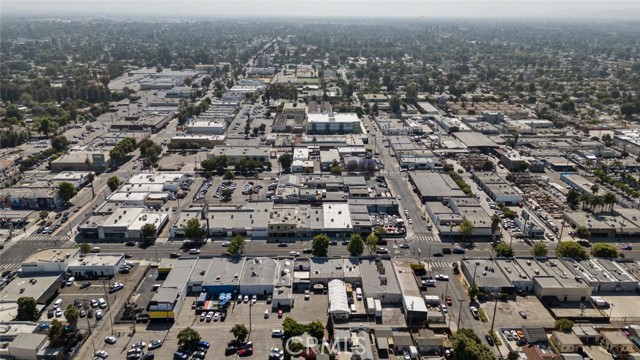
{"points": [[106, 297], [493, 319], [459, 314]]}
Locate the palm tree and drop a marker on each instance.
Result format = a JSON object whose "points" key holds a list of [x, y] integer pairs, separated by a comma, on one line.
{"points": [[610, 199]]}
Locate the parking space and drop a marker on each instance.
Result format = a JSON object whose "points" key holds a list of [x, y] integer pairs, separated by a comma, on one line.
{"points": [[243, 190], [508, 312]]}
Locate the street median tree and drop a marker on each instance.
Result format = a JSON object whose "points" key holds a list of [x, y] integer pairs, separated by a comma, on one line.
{"points": [[320, 245]]}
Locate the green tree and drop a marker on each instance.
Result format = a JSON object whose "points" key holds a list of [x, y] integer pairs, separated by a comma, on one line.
{"points": [[67, 191], [336, 168], [292, 328], [372, 243], [564, 325], [356, 245], [55, 333], [604, 251], [572, 250], [85, 248], [44, 214], [113, 183], [583, 232], [188, 337], [315, 329], [90, 178], [59, 143], [503, 250], [466, 228], [227, 193], [236, 245], [573, 197], [46, 126], [285, 161], [72, 314], [539, 249], [228, 175], [379, 231], [27, 309], [495, 223], [320, 245], [467, 345], [240, 332], [206, 81], [473, 291], [148, 230], [192, 229], [513, 355]]}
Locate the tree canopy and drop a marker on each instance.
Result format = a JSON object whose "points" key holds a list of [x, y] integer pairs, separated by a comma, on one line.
{"points": [[355, 245], [27, 309], [320, 245], [572, 250]]}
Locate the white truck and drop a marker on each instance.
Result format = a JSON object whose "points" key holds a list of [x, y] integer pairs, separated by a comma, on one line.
{"points": [[433, 300], [371, 307], [378, 308]]}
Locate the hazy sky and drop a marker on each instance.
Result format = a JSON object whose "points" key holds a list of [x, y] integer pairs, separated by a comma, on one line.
{"points": [[574, 9]]}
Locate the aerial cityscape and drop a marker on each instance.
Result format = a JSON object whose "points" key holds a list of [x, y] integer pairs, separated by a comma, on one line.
{"points": [[285, 184]]}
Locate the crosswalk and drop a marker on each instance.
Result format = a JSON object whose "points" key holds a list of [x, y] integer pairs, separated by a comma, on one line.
{"points": [[46, 238], [438, 264], [427, 238], [9, 265]]}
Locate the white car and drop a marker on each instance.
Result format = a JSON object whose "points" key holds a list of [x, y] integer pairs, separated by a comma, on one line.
{"points": [[294, 253], [246, 298], [194, 251], [398, 197], [276, 353], [225, 244], [442, 277], [209, 316], [155, 344], [102, 354], [98, 314], [110, 340], [474, 312], [58, 312], [254, 298], [444, 308], [216, 316]]}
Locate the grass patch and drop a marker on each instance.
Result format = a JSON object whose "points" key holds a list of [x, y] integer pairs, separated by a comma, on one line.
{"points": [[483, 315], [496, 338]]}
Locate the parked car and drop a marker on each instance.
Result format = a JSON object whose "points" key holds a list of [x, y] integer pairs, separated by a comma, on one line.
{"points": [[85, 285], [277, 333], [155, 344], [102, 354], [523, 314], [490, 340], [474, 312], [110, 340]]}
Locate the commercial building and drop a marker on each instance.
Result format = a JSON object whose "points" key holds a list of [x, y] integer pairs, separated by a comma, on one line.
{"points": [[259, 276], [379, 281], [432, 186], [170, 181], [176, 231], [603, 275], [49, 261], [208, 141], [235, 153], [82, 161], [623, 224], [28, 346], [343, 123], [206, 127], [91, 266], [77, 178], [486, 275], [413, 305], [616, 342], [179, 92], [166, 302], [552, 287], [338, 303], [216, 275], [578, 183], [448, 218], [519, 278], [498, 189], [290, 123], [33, 198], [251, 220], [566, 342], [41, 287], [122, 223]]}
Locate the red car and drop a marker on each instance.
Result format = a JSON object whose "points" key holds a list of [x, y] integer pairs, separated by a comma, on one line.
{"points": [[449, 302], [245, 351], [279, 314]]}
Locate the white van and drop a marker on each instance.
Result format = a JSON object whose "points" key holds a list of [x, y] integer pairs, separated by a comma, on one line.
{"points": [[353, 309], [58, 303], [359, 294], [70, 281], [102, 303]]}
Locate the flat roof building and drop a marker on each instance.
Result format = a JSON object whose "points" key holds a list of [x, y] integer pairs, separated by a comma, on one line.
{"points": [[486, 275], [96, 265], [432, 186], [379, 281], [235, 153], [334, 123], [498, 189], [414, 308]]}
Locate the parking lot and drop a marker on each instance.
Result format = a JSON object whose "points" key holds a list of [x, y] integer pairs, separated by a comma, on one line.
{"points": [[82, 295], [243, 190], [218, 332], [508, 312]]}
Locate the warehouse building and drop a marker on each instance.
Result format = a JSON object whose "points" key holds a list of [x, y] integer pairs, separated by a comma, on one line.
{"points": [[166, 302], [216, 275], [82, 161], [603, 275], [50, 261], [413, 305], [487, 276], [338, 303], [91, 266], [379, 281], [434, 186], [498, 189]]}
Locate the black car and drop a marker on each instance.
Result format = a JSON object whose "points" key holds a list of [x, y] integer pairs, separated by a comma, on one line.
{"points": [[174, 255], [283, 244], [346, 242], [64, 220], [437, 254], [85, 285], [333, 243], [130, 243], [148, 356], [230, 350], [490, 340], [127, 256]]}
